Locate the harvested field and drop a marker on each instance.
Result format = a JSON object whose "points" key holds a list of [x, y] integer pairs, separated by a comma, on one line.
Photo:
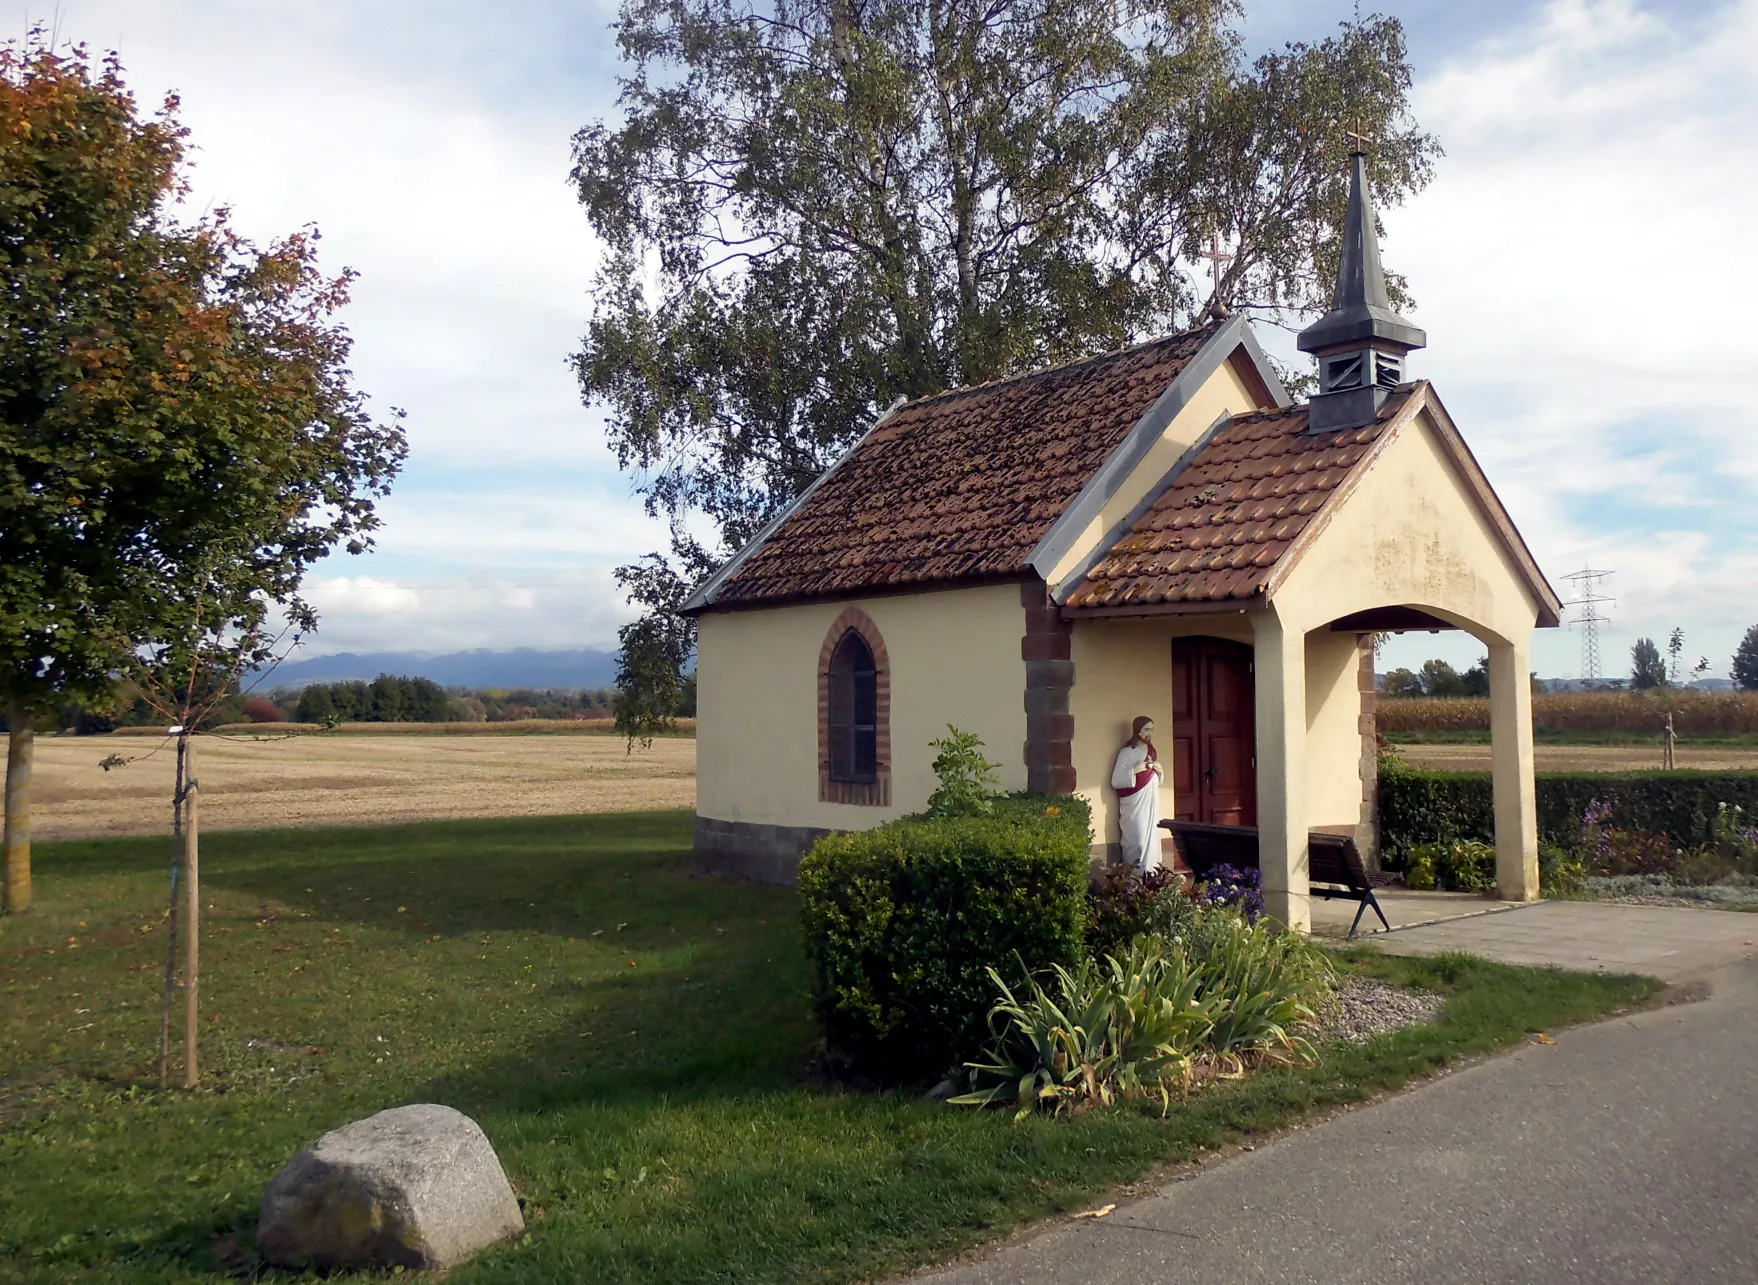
{"points": [[512, 727], [1578, 758], [258, 783]]}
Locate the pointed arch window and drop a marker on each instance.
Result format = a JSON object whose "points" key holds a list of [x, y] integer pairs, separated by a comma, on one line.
{"points": [[854, 713]]}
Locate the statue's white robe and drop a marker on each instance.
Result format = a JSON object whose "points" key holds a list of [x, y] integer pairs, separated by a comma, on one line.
{"points": [[1138, 806]]}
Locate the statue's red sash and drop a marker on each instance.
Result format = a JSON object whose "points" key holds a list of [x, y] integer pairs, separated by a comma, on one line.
{"points": [[1142, 779]]}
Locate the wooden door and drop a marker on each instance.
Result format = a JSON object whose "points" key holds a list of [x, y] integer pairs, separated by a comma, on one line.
{"points": [[1214, 732]]}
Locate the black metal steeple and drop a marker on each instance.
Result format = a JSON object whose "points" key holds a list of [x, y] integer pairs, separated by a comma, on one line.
{"points": [[1360, 343]]}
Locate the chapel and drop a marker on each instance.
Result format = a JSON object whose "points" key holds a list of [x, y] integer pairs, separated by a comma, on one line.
{"points": [[1157, 532]]}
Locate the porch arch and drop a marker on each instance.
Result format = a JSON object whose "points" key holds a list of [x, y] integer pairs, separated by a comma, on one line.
{"points": [[1280, 644]]}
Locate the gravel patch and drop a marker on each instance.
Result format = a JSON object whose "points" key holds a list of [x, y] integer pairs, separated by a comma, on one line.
{"points": [[1733, 893], [1365, 1008]]}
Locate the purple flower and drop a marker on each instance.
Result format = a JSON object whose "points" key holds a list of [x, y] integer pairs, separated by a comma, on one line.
{"points": [[1225, 885]]}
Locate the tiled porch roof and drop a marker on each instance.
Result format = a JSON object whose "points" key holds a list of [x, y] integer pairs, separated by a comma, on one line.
{"points": [[1217, 533]]}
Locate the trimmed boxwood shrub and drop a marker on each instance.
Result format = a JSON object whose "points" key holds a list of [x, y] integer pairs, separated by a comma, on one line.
{"points": [[1439, 807], [901, 922]]}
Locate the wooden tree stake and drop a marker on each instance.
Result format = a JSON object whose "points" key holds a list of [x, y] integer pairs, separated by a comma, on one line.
{"points": [[191, 917], [20, 743], [171, 916]]}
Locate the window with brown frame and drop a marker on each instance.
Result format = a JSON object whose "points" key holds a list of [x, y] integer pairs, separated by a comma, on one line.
{"points": [[854, 711]]}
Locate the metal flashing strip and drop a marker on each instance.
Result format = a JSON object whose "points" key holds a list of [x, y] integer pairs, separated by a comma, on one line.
{"points": [[1266, 370], [1102, 549], [703, 596], [1233, 335]]}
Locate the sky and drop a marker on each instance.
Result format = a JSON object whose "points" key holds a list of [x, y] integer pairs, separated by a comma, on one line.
{"points": [[1582, 264]]}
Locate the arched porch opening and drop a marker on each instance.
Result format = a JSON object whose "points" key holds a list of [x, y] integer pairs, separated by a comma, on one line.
{"points": [[1309, 709]]}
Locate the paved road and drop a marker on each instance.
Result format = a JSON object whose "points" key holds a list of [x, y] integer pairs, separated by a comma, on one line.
{"points": [[1625, 1152]]}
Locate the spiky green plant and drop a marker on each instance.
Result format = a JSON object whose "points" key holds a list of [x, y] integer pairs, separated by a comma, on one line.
{"points": [[1123, 1029]]}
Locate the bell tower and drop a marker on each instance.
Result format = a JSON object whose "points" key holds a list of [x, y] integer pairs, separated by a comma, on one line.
{"points": [[1360, 343]]}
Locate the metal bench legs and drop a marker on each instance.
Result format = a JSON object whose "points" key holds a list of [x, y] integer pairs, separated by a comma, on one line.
{"points": [[1368, 899]]}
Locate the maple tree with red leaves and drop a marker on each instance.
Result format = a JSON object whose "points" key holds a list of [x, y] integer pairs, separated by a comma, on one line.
{"points": [[180, 438]]}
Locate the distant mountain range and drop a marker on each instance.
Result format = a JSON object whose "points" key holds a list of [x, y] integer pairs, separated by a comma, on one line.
{"points": [[523, 667]]}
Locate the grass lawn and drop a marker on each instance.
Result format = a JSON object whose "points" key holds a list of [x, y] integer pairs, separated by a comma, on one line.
{"points": [[634, 1040]]}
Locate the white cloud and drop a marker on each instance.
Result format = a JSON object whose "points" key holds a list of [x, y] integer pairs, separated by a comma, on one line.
{"points": [[449, 197], [517, 529], [1585, 269], [1583, 263], [429, 141], [360, 595], [361, 614]]}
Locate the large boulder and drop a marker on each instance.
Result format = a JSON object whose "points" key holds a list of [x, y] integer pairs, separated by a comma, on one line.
{"points": [[417, 1187]]}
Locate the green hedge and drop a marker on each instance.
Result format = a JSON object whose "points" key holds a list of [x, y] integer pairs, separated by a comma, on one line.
{"points": [[901, 921], [1436, 807]]}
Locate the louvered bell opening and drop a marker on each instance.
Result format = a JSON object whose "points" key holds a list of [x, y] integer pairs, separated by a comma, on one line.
{"points": [[1343, 371], [1388, 369]]}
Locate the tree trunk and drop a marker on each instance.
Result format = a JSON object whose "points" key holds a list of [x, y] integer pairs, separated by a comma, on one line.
{"points": [[20, 750], [191, 918]]}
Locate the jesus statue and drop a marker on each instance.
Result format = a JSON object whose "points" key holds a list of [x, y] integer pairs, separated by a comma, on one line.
{"points": [[1136, 778]]}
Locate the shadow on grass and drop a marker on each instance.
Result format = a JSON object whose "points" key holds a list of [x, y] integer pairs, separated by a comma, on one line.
{"points": [[224, 850], [713, 1000]]}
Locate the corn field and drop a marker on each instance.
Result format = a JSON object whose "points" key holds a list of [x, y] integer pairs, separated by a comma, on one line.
{"points": [[1694, 713]]}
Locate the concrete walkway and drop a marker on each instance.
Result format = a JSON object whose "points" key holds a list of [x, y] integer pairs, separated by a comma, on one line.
{"points": [[1403, 909], [1668, 942], [1627, 1152]]}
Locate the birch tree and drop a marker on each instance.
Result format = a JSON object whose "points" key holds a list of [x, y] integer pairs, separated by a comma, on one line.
{"points": [[812, 207]]}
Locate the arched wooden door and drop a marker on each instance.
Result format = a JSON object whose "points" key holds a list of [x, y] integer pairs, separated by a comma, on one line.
{"points": [[1214, 732]]}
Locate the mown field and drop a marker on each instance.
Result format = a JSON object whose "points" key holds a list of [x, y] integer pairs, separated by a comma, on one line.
{"points": [[335, 779], [634, 1038], [510, 727]]}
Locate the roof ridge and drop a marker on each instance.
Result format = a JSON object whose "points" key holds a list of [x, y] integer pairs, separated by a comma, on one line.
{"points": [[962, 390]]}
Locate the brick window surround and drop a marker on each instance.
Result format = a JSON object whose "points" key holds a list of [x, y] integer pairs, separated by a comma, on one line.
{"points": [[877, 792]]}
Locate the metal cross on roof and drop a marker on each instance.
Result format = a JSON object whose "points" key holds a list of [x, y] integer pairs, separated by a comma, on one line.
{"points": [[1361, 140], [1216, 257]]}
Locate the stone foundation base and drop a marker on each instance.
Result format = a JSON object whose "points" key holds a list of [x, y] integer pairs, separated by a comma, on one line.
{"points": [[750, 850]]}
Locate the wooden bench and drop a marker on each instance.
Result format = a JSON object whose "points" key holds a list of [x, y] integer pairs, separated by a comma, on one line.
{"points": [[1334, 863]]}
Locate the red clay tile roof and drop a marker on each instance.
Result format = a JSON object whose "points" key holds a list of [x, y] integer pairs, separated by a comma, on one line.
{"points": [[1216, 534], [962, 485]]}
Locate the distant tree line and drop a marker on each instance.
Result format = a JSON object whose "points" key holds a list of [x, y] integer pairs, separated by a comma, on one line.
{"points": [[386, 699], [1438, 678], [1649, 669], [389, 699]]}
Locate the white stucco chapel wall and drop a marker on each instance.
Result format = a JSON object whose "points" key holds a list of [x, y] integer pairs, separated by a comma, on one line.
{"points": [[954, 658]]}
